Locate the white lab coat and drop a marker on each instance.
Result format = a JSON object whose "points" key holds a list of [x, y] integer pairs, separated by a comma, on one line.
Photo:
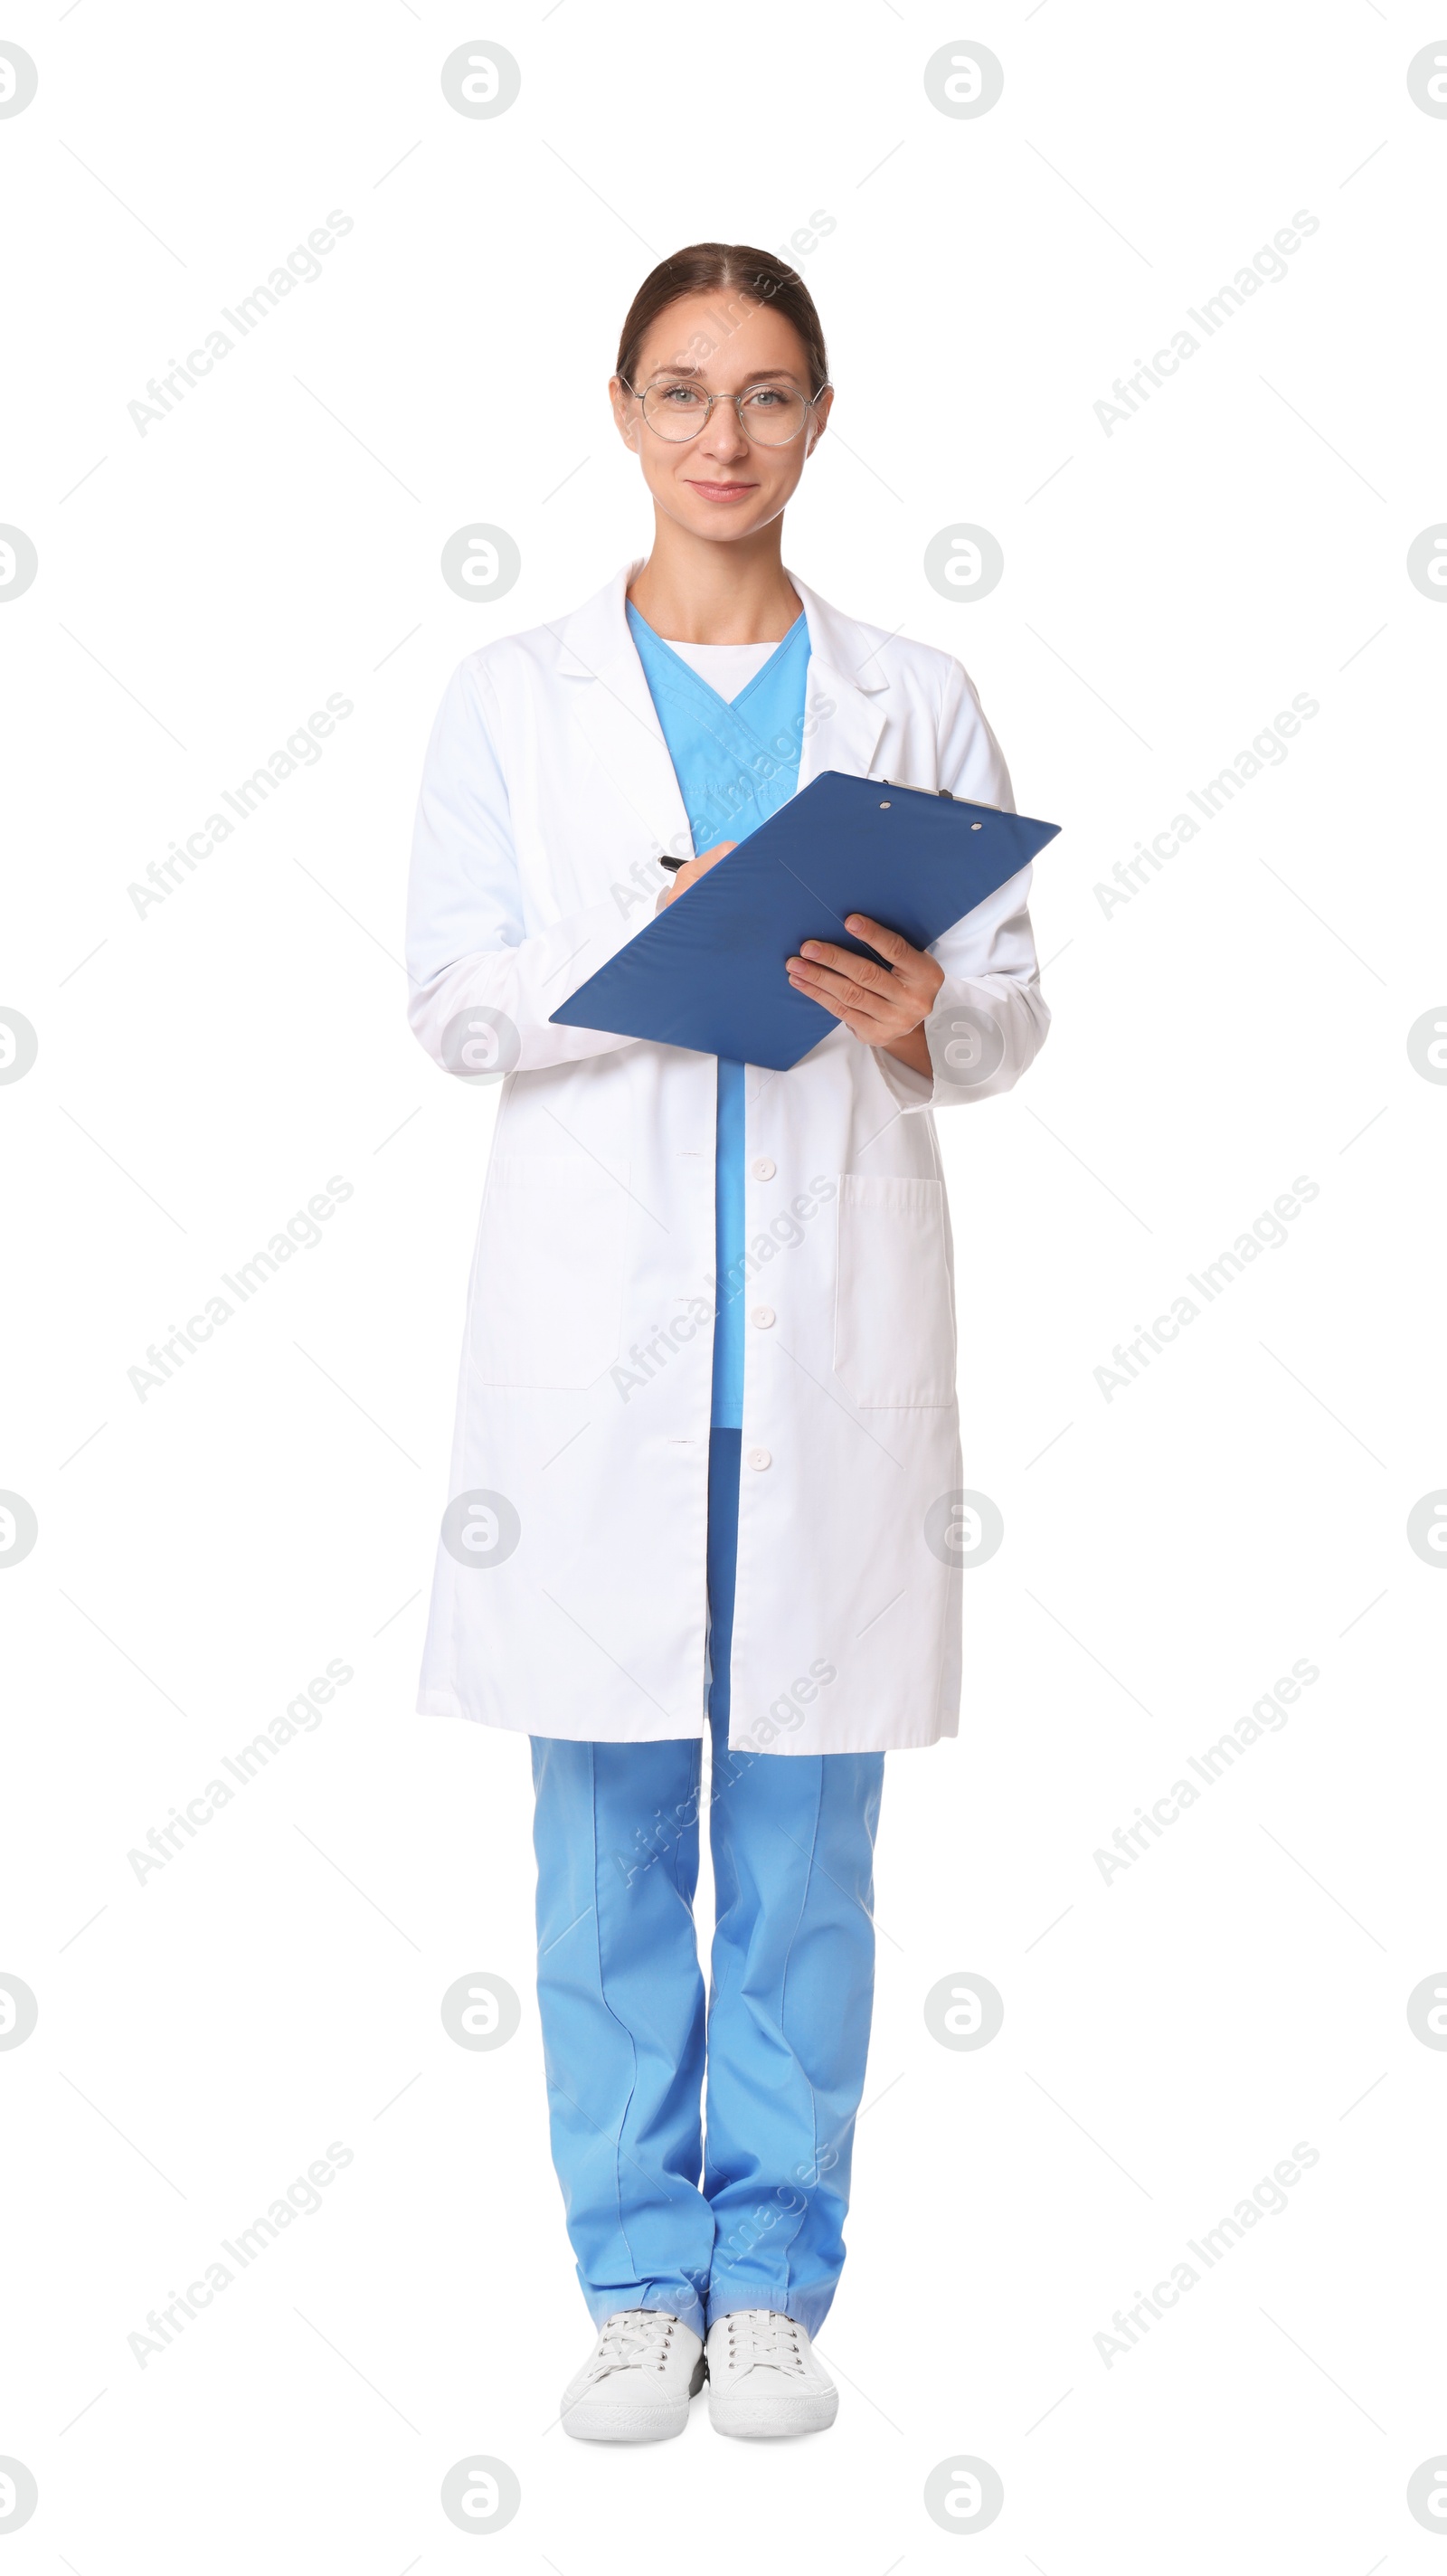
{"points": [[578, 1608]]}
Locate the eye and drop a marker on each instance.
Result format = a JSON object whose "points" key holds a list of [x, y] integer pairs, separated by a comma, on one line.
{"points": [[766, 397], [679, 397]]}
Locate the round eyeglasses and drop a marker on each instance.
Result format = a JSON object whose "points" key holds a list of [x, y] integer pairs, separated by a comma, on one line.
{"points": [[769, 415]]}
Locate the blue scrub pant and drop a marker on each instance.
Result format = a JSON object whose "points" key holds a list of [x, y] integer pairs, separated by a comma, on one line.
{"points": [[755, 2218]]}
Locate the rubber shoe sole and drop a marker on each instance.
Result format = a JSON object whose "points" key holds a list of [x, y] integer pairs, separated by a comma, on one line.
{"points": [[757, 2418], [598, 2420]]}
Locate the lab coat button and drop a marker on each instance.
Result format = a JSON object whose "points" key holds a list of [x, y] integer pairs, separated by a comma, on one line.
{"points": [[764, 1170], [763, 1315], [760, 1458]]}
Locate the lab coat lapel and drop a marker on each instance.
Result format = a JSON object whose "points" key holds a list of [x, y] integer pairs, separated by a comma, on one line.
{"points": [[606, 696], [848, 697]]}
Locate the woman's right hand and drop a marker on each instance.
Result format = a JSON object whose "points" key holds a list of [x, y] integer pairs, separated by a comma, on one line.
{"points": [[690, 874]]}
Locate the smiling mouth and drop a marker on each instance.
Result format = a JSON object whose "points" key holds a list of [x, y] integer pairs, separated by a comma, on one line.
{"points": [[721, 491]]}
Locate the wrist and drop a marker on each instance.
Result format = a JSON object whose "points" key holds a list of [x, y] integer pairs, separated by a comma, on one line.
{"points": [[913, 1051]]}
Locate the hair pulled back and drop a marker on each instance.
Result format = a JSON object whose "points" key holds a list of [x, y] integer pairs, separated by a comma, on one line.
{"points": [[740, 275]]}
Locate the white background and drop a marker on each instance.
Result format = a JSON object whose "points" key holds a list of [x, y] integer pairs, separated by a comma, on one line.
{"points": [[204, 1069]]}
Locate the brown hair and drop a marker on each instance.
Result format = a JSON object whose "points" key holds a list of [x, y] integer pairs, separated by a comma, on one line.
{"points": [[705, 268]]}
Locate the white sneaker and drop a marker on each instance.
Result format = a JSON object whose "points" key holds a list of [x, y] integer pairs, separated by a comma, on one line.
{"points": [[637, 2381], [763, 2377]]}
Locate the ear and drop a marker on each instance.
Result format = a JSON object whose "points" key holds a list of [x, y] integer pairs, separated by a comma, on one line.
{"points": [[821, 414], [625, 412]]}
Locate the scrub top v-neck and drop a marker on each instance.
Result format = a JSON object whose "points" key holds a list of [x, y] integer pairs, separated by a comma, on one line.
{"points": [[736, 761]]}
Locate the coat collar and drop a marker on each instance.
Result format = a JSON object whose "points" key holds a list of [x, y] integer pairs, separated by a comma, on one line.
{"points": [[848, 697]]}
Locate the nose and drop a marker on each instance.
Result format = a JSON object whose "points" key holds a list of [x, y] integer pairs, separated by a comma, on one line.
{"points": [[724, 440]]}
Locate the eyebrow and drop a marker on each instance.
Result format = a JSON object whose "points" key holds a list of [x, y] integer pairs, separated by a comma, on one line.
{"points": [[760, 375]]}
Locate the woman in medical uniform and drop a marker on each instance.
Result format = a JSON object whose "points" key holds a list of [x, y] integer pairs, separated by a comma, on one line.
{"points": [[706, 1465]]}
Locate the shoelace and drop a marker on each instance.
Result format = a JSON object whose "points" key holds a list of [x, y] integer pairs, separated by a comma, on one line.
{"points": [[760, 2335], [636, 2339]]}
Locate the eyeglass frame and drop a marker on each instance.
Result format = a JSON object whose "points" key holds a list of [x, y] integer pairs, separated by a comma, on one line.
{"points": [[808, 401]]}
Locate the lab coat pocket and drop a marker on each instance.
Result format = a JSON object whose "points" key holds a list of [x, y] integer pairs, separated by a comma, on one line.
{"points": [[548, 1288], [894, 1323]]}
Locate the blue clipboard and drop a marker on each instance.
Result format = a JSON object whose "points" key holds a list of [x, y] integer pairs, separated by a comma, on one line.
{"points": [[708, 972]]}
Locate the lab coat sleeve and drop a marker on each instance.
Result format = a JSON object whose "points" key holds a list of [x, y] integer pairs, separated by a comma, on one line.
{"points": [[468, 944], [989, 1018]]}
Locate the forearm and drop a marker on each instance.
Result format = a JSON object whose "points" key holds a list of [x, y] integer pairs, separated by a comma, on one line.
{"points": [[522, 984]]}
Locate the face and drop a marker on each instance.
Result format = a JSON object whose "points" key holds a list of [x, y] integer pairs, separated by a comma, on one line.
{"points": [[720, 483]]}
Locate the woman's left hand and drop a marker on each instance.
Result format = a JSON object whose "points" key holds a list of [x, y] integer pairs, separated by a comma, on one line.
{"points": [[884, 1006]]}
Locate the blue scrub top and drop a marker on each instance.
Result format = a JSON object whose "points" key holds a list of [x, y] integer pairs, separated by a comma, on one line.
{"points": [[736, 763]]}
